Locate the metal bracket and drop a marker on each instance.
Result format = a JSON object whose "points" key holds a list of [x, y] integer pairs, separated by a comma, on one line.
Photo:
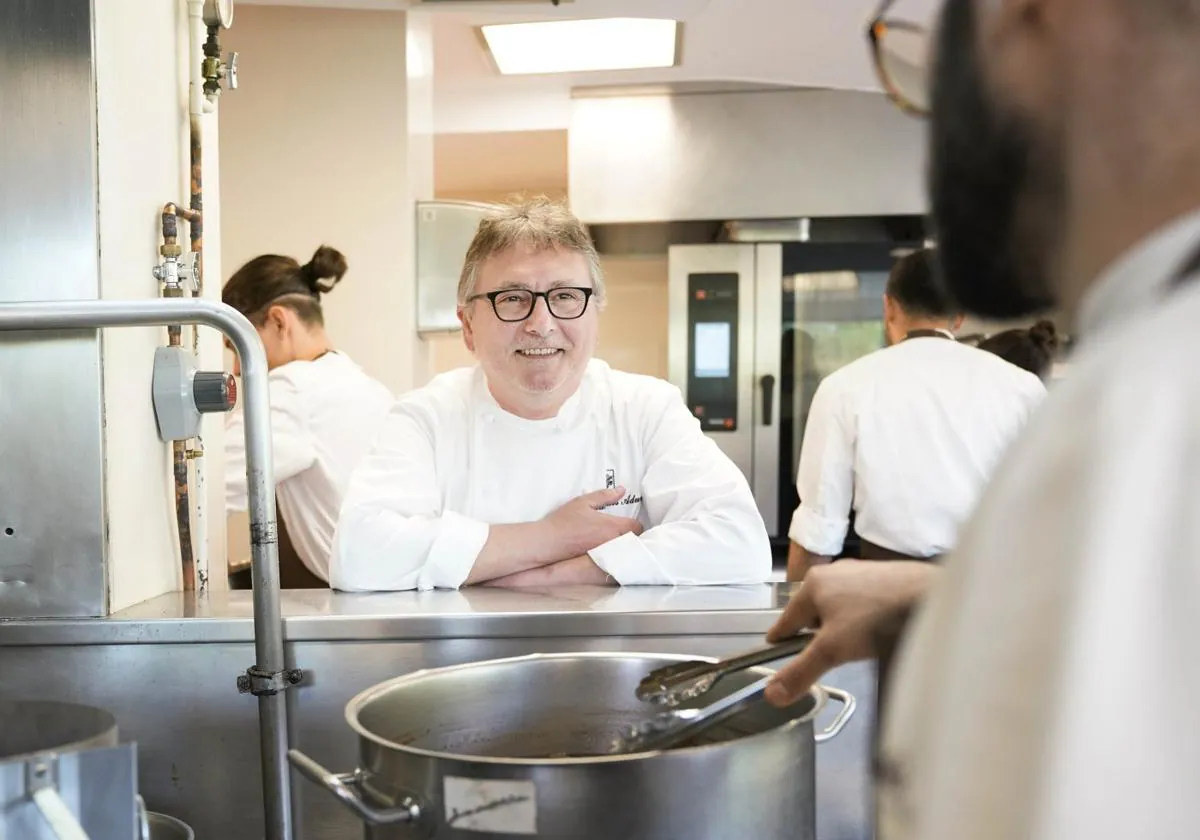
{"points": [[263, 683], [41, 772]]}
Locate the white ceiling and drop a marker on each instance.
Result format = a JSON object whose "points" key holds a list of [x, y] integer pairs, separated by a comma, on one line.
{"points": [[801, 43]]}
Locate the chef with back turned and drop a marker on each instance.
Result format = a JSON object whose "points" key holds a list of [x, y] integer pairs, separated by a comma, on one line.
{"points": [[907, 436], [542, 465]]}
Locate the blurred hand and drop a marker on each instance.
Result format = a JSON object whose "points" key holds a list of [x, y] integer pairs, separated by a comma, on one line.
{"points": [[579, 526], [578, 571], [846, 602]]}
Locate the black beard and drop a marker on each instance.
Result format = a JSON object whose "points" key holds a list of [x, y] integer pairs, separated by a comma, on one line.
{"points": [[996, 195]]}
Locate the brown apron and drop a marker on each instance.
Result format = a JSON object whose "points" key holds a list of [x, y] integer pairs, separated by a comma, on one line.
{"points": [[887, 636], [293, 574]]}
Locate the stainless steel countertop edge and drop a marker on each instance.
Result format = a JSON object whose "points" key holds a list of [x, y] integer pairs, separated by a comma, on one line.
{"points": [[321, 615], [382, 628]]}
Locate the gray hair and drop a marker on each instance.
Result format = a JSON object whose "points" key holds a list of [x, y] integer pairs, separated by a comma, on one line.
{"points": [[539, 222]]}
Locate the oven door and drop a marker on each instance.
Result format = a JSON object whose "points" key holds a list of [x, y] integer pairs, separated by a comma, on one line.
{"points": [[753, 330]]}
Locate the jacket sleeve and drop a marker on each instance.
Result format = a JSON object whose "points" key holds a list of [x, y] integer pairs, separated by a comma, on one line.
{"points": [[704, 526], [292, 448], [825, 480], [392, 533]]}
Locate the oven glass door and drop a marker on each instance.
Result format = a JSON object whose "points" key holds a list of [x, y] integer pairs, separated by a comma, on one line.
{"points": [[831, 313]]}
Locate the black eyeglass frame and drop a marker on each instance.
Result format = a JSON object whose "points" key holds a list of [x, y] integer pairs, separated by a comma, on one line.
{"points": [[587, 291], [876, 30]]}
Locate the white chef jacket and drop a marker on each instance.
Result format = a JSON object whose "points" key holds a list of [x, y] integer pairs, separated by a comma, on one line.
{"points": [[450, 462], [908, 436], [324, 417], [1048, 687]]}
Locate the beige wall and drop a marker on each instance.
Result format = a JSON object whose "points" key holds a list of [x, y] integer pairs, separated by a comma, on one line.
{"points": [[633, 335], [315, 149], [142, 128], [329, 140]]}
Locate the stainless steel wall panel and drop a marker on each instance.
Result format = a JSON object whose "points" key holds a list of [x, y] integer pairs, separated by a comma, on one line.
{"points": [[51, 421]]}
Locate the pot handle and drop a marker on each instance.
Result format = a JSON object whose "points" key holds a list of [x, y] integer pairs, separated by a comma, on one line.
{"points": [[57, 815], [849, 704], [347, 788]]}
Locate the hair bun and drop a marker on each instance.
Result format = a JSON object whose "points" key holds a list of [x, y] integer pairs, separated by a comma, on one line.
{"points": [[1044, 334], [324, 271]]}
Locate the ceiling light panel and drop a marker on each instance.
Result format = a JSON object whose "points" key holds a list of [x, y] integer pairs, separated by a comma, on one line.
{"points": [[580, 46]]}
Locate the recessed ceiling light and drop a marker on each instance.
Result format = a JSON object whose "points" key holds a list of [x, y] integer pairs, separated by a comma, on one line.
{"points": [[577, 46]]}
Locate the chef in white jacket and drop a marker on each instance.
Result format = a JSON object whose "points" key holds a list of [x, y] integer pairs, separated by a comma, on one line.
{"points": [[542, 465], [908, 436], [325, 410], [1047, 687]]}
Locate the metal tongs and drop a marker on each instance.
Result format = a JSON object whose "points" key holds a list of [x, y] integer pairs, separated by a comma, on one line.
{"points": [[683, 681], [678, 683], [668, 729]]}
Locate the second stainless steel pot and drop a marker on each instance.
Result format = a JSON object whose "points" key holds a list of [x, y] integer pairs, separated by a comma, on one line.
{"points": [[518, 747]]}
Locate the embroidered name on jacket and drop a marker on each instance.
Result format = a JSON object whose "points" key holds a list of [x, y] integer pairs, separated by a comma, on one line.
{"points": [[630, 499]]}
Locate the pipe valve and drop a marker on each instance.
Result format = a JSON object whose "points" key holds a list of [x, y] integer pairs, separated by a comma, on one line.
{"points": [[214, 70]]}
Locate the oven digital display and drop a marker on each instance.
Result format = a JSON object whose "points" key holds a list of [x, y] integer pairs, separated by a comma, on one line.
{"points": [[713, 348]]}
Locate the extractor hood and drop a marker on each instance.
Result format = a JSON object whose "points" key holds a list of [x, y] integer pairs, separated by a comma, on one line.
{"points": [[759, 154]]}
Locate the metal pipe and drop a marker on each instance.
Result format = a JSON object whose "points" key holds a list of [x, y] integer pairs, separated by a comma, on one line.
{"points": [[173, 288], [260, 485]]}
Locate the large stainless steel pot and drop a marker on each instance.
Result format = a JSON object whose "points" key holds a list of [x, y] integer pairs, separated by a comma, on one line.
{"points": [[517, 746]]}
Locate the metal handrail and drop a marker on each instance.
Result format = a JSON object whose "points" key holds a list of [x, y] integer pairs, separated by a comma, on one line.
{"points": [[270, 669]]}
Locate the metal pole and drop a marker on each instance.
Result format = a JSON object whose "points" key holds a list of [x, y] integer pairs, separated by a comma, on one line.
{"points": [[260, 484]]}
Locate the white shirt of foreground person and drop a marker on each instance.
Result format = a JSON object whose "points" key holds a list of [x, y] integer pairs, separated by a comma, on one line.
{"points": [[1070, 609], [908, 436], [324, 416], [450, 462]]}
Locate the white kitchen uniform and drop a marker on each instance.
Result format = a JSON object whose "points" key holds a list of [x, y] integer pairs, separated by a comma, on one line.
{"points": [[324, 416], [1048, 687], [450, 462], [908, 436]]}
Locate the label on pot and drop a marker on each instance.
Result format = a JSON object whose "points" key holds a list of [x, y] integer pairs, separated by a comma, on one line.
{"points": [[494, 805]]}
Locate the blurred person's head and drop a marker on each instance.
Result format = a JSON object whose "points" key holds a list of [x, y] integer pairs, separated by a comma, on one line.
{"points": [[1033, 349], [915, 299], [282, 299], [1063, 132], [529, 300]]}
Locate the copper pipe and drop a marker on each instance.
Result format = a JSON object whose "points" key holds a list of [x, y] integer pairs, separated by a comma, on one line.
{"points": [[194, 216], [183, 513], [170, 249]]}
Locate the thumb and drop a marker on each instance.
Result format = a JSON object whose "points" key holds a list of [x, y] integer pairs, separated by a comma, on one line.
{"points": [[795, 679], [600, 498]]}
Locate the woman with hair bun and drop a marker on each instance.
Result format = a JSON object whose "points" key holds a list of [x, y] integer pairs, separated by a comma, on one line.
{"points": [[1033, 349], [324, 409]]}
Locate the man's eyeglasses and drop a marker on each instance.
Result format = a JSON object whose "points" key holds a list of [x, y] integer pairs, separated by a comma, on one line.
{"points": [[565, 303], [901, 53]]}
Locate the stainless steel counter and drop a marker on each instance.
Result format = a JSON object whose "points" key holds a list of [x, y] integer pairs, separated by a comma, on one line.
{"points": [[322, 615], [167, 669]]}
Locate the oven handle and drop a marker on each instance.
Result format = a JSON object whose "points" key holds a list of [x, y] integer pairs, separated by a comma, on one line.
{"points": [[347, 789], [767, 384]]}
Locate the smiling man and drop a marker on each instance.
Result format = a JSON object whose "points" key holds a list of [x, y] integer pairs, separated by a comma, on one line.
{"points": [[542, 465]]}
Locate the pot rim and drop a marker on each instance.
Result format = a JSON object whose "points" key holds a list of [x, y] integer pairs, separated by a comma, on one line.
{"points": [[356, 704], [105, 733]]}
